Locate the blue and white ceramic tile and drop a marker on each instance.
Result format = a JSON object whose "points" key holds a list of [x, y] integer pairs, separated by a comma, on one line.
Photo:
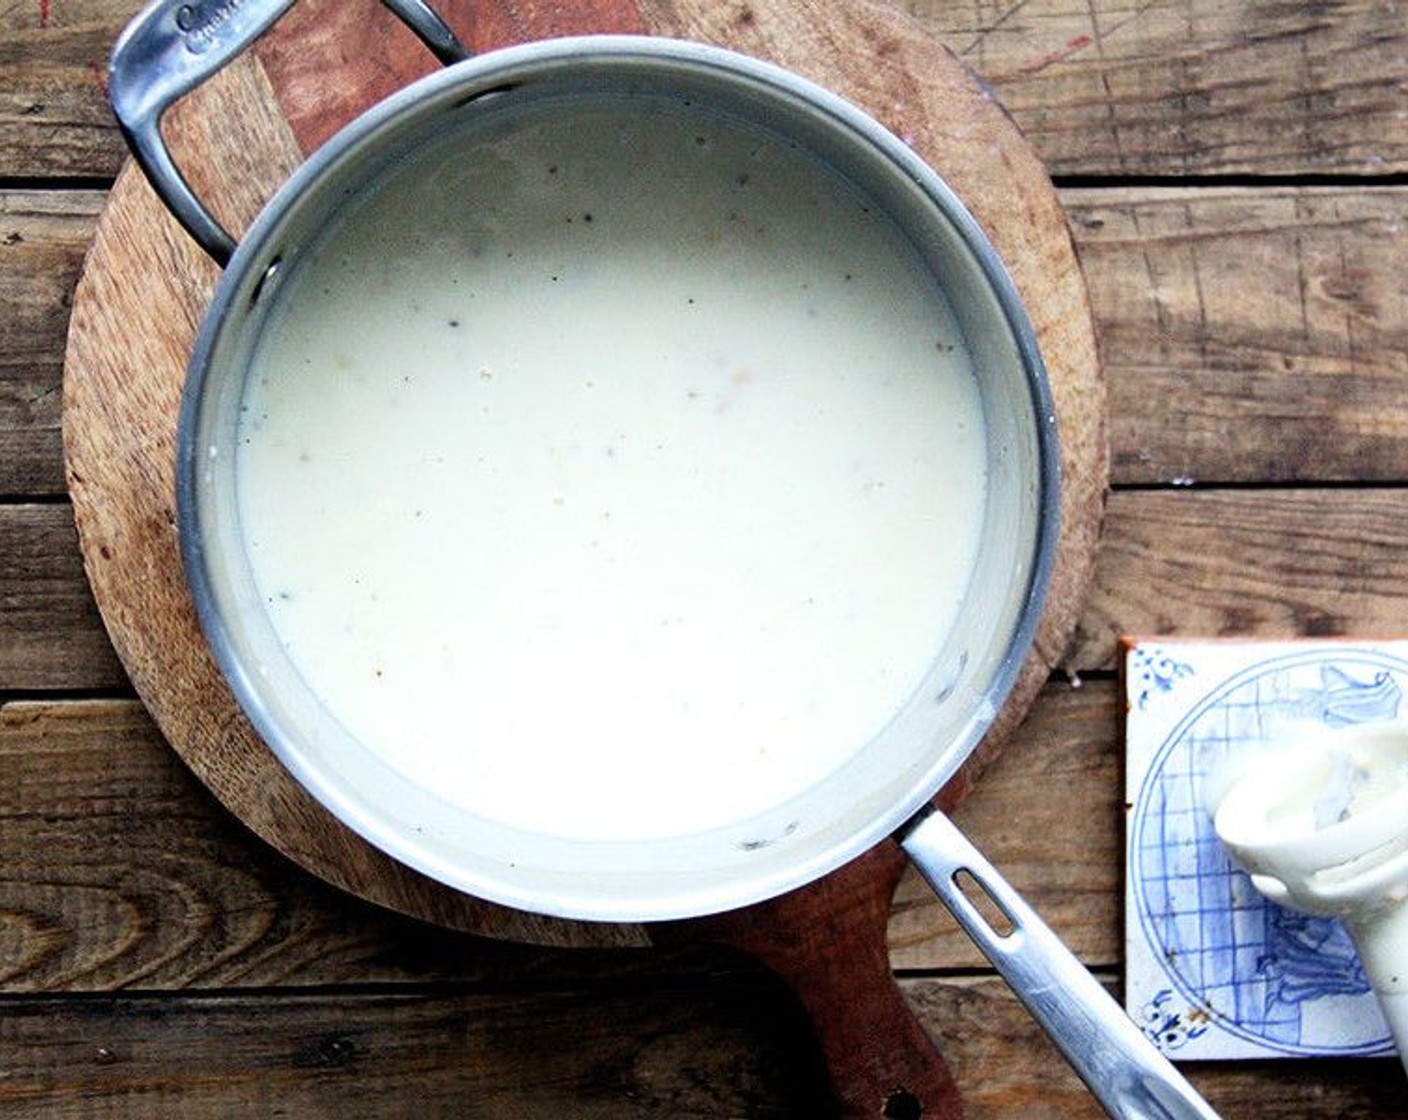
{"points": [[1213, 969]]}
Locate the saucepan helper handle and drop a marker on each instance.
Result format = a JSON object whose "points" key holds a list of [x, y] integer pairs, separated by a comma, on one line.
{"points": [[171, 48], [1120, 1066]]}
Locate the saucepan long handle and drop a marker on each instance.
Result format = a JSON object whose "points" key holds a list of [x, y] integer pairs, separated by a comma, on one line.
{"points": [[170, 48], [1116, 1061]]}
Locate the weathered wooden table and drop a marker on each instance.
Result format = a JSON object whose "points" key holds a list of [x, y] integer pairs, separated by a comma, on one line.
{"points": [[1234, 176]]}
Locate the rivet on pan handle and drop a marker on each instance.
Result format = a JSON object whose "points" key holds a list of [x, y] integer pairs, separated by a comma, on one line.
{"points": [[1120, 1066], [171, 48]]}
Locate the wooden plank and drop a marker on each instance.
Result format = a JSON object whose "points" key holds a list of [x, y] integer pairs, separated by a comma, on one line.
{"points": [[54, 117], [1278, 320], [43, 236], [721, 1045], [1248, 563], [1250, 335], [710, 1047], [1179, 89], [1101, 88], [122, 871], [51, 635]]}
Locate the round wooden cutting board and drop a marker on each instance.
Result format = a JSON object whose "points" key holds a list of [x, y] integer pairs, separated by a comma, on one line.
{"points": [[145, 287]]}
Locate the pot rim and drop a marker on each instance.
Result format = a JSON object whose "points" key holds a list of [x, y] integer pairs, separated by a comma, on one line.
{"points": [[481, 75]]}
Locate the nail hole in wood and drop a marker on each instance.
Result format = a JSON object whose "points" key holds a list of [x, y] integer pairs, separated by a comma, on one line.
{"points": [[901, 1104]]}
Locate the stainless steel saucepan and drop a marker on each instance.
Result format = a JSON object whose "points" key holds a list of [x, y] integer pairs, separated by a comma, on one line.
{"points": [[886, 787]]}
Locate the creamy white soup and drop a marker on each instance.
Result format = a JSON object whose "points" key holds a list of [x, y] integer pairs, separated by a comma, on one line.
{"points": [[614, 476]]}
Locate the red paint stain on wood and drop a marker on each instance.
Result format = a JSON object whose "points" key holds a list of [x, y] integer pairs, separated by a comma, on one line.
{"points": [[1074, 46]]}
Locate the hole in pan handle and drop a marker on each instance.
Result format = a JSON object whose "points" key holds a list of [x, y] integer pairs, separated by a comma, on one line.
{"points": [[171, 48], [1120, 1066]]}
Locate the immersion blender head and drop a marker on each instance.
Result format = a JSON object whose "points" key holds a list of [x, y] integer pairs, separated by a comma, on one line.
{"points": [[1322, 827]]}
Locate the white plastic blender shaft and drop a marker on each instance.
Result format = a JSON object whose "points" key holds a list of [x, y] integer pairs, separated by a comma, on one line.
{"points": [[1381, 938], [1322, 827]]}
